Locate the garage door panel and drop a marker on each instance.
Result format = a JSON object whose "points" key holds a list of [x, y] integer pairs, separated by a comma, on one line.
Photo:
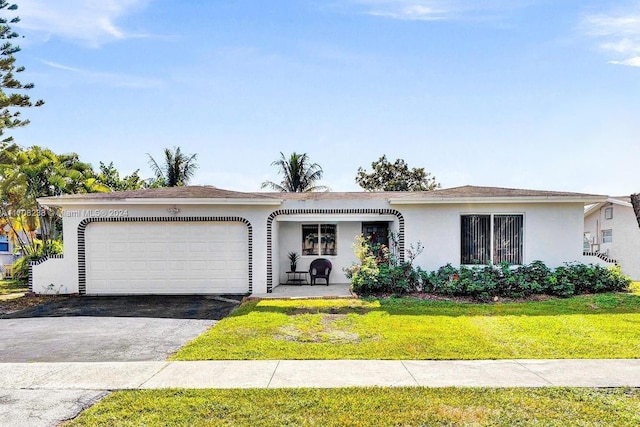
{"points": [[166, 257]]}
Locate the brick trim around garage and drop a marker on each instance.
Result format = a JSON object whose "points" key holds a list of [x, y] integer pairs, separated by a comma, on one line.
{"points": [[82, 268]]}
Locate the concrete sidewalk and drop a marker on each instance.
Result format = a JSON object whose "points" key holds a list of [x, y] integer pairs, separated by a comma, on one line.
{"points": [[319, 373]]}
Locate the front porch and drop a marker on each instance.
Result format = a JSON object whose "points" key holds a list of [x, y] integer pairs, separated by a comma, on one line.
{"points": [[329, 235]]}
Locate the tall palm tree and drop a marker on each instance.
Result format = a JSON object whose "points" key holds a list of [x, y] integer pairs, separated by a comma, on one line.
{"points": [[176, 170], [299, 174]]}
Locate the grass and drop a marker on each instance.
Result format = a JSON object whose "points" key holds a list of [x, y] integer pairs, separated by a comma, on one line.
{"points": [[12, 287], [593, 326], [367, 407]]}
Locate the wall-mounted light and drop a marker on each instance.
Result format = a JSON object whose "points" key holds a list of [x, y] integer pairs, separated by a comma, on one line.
{"points": [[174, 210]]}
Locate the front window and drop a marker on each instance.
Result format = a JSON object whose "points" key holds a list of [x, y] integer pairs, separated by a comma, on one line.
{"points": [[319, 239], [4, 244], [492, 239], [607, 236]]}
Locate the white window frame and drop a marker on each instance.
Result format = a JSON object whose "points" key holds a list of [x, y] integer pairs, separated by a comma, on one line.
{"points": [[319, 233], [607, 235], [608, 212], [492, 216], [5, 239]]}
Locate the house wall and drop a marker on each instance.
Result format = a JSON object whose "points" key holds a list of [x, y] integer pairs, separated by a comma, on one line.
{"points": [[63, 273], [552, 232], [291, 241], [625, 244]]}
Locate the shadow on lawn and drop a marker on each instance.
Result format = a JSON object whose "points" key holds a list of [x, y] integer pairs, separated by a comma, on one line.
{"points": [[610, 303]]}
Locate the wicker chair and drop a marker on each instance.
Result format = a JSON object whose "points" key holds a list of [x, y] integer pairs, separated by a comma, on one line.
{"points": [[320, 269]]}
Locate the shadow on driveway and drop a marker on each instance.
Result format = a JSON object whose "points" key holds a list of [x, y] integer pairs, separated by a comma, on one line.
{"points": [[150, 306]]}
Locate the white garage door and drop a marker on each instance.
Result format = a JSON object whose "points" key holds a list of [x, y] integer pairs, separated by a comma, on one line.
{"points": [[166, 258]]}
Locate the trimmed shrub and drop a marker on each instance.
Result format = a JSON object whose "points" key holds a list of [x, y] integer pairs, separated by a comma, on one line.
{"points": [[380, 271]]}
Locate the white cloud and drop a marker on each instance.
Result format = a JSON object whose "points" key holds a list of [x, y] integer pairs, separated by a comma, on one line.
{"points": [[632, 62], [413, 12], [619, 34], [92, 22], [435, 10], [109, 79]]}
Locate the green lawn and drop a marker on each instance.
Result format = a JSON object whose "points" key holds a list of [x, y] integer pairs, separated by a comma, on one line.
{"points": [[12, 286], [594, 326], [367, 407]]}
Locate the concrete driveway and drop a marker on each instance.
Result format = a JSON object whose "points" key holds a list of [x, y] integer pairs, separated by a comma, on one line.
{"points": [[95, 329]]}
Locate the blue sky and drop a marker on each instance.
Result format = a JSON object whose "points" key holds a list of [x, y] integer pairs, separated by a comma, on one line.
{"points": [[540, 94]]}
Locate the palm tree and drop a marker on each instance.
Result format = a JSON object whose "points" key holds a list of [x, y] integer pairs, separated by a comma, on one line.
{"points": [[177, 169], [299, 175]]}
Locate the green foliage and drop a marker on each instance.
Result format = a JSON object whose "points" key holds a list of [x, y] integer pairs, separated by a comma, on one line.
{"points": [[299, 175], [484, 282], [12, 286], [176, 170], [12, 96], [110, 177], [635, 203], [586, 326], [367, 407], [381, 270], [27, 174], [36, 252], [395, 176]]}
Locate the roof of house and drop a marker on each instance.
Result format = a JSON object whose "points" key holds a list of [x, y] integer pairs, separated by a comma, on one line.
{"points": [[617, 200], [204, 194], [187, 192]]}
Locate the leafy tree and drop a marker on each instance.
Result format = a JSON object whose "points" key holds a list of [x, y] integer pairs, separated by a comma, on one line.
{"points": [[635, 202], [110, 177], [12, 95], [176, 170], [26, 175], [397, 176], [299, 174]]}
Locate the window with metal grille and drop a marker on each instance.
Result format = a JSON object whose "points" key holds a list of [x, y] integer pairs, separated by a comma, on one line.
{"points": [[319, 239], [492, 238]]}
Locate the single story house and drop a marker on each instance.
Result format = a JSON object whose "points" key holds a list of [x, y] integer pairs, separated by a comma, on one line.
{"points": [[205, 240], [612, 234]]}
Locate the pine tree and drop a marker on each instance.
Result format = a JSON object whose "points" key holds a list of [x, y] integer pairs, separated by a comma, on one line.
{"points": [[12, 96]]}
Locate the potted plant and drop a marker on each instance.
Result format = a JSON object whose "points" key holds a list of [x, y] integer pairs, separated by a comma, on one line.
{"points": [[293, 259]]}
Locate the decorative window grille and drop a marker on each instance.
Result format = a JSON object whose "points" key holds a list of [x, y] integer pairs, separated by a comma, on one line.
{"points": [[492, 239]]}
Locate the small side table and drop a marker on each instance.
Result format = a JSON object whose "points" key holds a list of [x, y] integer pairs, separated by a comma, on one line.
{"points": [[297, 277]]}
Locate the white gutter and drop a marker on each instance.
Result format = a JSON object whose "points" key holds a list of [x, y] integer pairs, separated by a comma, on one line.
{"points": [[59, 201]]}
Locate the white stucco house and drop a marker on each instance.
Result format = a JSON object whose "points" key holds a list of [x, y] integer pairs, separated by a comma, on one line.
{"points": [[205, 240], [611, 233]]}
